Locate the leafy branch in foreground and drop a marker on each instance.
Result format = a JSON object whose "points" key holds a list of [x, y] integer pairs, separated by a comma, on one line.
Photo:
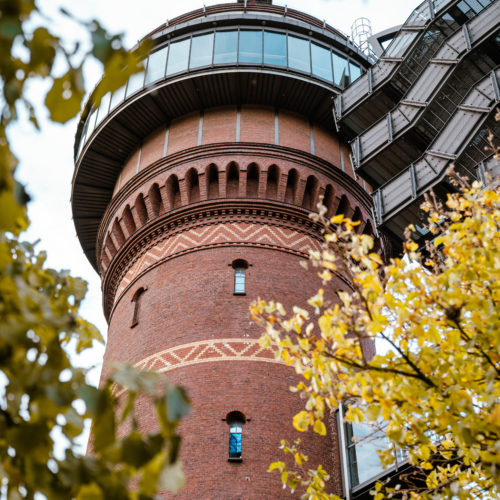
{"points": [[437, 386], [45, 399], [31, 50]]}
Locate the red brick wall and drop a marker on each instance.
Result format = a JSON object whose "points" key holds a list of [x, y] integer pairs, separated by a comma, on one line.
{"points": [[190, 298], [294, 130], [257, 124], [152, 148], [219, 125], [183, 133]]}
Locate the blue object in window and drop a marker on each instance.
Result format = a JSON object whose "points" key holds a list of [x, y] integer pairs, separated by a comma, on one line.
{"points": [[235, 420], [235, 441]]}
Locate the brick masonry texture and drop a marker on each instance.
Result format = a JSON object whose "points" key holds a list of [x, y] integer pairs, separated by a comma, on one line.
{"points": [[174, 227], [190, 299], [257, 124]]}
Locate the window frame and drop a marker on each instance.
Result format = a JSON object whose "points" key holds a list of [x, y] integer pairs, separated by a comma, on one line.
{"points": [[123, 94], [240, 267], [235, 420]]}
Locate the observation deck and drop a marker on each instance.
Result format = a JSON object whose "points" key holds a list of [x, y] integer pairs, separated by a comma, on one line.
{"points": [[228, 54]]}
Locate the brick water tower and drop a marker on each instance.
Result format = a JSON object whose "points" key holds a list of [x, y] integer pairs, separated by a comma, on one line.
{"points": [[191, 194]]}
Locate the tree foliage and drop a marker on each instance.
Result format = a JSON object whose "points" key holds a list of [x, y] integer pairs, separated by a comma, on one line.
{"points": [[44, 397], [437, 386]]}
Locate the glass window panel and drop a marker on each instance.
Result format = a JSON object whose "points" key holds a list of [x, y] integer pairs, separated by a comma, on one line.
{"points": [[91, 123], [340, 70], [355, 71], [363, 455], [274, 48], [466, 9], [178, 56], [226, 43], [321, 62], [103, 107], [156, 65], [475, 5], [83, 137], [420, 15], [239, 281], [439, 4], [201, 50], [235, 444], [250, 47], [135, 83], [386, 43], [298, 54], [117, 97]]}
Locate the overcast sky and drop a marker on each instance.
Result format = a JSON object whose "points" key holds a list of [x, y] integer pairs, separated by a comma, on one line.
{"points": [[46, 157]]}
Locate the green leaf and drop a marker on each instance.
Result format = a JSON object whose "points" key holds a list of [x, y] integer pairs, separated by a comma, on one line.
{"points": [[90, 492], [178, 403], [134, 379], [42, 48], [64, 98]]}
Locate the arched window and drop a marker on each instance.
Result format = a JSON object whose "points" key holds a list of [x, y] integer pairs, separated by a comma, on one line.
{"points": [[240, 267], [137, 301], [235, 420]]}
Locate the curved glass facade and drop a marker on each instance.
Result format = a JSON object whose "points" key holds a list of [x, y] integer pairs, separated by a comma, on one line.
{"points": [[249, 46]]}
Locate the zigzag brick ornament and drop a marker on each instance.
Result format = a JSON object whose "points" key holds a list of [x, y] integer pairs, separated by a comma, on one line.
{"points": [[191, 197]]}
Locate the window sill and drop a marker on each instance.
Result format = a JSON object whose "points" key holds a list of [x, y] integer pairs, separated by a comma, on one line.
{"points": [[239, 293], [234, 459]]}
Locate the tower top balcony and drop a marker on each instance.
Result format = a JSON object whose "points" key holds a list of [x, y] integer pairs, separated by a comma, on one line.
{"points": [[226, 54]]}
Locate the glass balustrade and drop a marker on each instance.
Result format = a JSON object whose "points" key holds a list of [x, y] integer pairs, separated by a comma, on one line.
{"points": [[225, 47]]}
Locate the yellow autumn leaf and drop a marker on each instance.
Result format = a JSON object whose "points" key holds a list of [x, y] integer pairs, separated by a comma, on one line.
{"points": [[319, 428]]}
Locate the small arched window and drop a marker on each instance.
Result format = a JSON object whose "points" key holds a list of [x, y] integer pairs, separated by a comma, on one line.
{"points": [[136, 298], [235, 420], [240, 267]]}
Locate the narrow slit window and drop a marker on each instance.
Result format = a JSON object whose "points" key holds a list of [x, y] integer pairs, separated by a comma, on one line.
{"points": [[136, 299], [240, 268], [235, 420], [239, 281], [235, 441]]}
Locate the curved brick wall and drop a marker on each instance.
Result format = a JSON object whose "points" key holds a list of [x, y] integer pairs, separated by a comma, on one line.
{"points": [[192, 328], [209, 189], [249, 124]]}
